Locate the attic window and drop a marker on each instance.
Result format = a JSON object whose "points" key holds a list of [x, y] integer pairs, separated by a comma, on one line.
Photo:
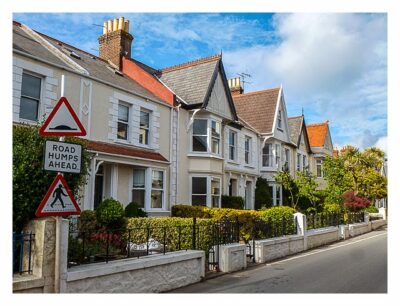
{"points": [[73, 54]]}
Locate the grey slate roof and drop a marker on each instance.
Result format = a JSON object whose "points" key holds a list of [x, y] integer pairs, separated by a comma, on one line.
{"points": [[96, 67], [295, 128], [190, 81]]}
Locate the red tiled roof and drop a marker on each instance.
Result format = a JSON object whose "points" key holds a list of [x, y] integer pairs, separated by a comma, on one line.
{"points": [[257, 108], [124, 150], [317, 133]]}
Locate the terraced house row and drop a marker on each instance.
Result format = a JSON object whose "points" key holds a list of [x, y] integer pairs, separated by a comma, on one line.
{"points": [[179, 135]]}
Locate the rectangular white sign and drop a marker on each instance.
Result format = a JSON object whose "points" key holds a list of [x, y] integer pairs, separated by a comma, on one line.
{"points": [[62, 157]]}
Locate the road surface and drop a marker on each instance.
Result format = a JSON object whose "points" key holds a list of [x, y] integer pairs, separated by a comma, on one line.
{"points": [[357, 265]]}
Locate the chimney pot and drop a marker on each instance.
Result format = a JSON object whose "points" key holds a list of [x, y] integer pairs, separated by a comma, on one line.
{"points": [[109, 26], [115, 25], [121, 23]]}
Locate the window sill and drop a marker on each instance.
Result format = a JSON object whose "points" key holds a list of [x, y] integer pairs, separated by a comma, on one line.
{"points": [[233, 162], [249, 166], [205, 155]]}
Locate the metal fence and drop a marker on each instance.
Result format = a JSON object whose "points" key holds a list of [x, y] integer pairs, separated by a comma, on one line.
{"points": [[22, 252], [320, 220]]}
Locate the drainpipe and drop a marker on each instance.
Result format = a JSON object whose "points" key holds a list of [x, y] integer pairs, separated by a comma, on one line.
{"points": [[177, 153]]}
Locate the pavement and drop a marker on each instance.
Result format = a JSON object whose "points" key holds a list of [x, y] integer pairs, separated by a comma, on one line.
{"points": [[356, 265]]}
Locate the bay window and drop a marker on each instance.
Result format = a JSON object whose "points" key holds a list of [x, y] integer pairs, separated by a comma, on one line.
{"points": [[287, 159], [200, 136], [138, 189], [157, 189], [277, 155], [199, 191], [215, 136], [206, 191], [267, 155], [215, 192]]}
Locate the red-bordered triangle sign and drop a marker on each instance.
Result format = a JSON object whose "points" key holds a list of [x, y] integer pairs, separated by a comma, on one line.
{"points": [[62, 121], [58, 201]]}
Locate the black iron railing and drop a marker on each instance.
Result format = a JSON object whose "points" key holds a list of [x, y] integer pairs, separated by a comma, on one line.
{"points": [[22, 252], [321, 220]]}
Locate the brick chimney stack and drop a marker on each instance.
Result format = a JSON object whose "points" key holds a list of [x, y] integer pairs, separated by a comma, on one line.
{"points": [[116, 41], [235, 86]]}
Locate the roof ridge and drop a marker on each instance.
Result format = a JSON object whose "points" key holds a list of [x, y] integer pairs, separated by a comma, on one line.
{"points": [[191, 63], [293, 117], [315, 124], [256, 92]]}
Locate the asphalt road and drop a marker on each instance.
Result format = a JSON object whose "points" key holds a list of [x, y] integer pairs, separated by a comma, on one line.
{"points": [[357, 265]]}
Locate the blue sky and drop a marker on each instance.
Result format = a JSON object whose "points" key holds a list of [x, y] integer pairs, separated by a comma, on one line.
{"points": [[334, 66]]}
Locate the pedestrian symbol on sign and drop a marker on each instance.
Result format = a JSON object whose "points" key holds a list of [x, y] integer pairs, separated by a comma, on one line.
{"points": [[58, 201], [58, 192]]}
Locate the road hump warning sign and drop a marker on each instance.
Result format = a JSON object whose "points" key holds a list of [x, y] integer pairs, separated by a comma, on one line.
{"points": [[58, 201], [62, 121]]}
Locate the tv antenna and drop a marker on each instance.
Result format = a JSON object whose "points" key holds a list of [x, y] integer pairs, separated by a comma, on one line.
{"points": [[243, 77]]}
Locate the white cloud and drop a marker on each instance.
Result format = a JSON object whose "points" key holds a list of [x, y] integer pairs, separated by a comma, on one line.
{"points": [[333, 65], [382, 144]]}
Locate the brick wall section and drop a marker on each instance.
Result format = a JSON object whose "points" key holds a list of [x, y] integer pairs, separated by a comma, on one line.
{"points": [[114, 45]]}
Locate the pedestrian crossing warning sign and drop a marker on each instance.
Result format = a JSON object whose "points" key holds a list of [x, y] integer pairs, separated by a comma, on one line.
{"points": [[62, 121], [58, 201]]}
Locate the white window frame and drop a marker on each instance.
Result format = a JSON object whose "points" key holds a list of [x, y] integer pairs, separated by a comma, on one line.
{"points": [[144, 188], [279, 119], [128, 126], [318, 163], [39, 106], [234, 146], [298, 162], [149, 129], [270, 156], [277, 155], [217, 124], [163, 189], [211, 191], [287, 158], [248, 140], [208, 188]]}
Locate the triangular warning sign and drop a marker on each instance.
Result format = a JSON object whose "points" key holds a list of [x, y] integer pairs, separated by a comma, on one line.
{"points": [[58, 201], [62, 121]]}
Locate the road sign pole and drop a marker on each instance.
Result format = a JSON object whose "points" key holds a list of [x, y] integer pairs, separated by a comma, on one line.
{"points": [[58, 222]]}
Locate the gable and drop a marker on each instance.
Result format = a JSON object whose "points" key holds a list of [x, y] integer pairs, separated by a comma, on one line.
{"points": [[281, 132], [328, 141], [218, 102]]}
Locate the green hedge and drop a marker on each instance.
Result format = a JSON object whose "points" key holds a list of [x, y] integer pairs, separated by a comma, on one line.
{"points": [[176, 231], [246, 218], [232, 202], [371, 209]]}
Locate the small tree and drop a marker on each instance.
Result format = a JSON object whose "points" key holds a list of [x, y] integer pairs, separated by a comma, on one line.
{"points": [[30, 181], [263, 198], [354, 203], [307, 187], [285, 179]]}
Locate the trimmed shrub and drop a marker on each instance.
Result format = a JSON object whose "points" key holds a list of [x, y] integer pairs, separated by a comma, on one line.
{"points": [[133, 210], [277, 213], [354, 203], [111, 214], [371, 209], [330, 208], [232, 202], [177, 232], [188, 211]]}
